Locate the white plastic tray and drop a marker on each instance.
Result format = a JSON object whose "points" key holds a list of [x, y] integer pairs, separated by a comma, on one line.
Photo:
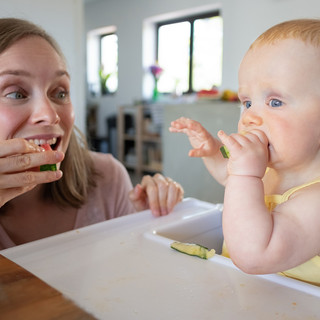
{"points": [[125, 269]]}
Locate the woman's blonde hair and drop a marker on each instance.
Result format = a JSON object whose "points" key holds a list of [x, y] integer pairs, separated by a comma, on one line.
{"points": [[78, 167], [306, 30]]}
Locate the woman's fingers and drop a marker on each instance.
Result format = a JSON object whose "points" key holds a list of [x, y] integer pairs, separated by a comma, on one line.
{"points": [[175, 194], [158, 193], [17, 146], [21, 162], [28, 178]]}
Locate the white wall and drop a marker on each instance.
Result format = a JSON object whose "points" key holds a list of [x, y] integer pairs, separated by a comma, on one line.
{"points": [[63, 19], [191, 172], [244, 20]]}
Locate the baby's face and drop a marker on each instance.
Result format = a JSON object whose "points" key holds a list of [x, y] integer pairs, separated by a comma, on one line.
{"points": [[279, 87]]}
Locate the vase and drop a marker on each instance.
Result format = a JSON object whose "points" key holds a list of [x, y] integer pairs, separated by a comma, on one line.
{"points": [[155, 94]]}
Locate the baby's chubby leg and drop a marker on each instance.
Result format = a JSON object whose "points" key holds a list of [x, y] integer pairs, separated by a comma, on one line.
{"points": [[204, 145]]}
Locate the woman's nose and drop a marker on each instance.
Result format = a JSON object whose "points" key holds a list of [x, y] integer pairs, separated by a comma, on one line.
{"points": [[250, 118], [45, 112]]}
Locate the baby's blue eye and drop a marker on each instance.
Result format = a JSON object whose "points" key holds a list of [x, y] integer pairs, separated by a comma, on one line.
{"points": [[275, 103], [247, 104]]}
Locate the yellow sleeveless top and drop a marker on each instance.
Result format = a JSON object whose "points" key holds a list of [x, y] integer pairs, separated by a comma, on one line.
{"points": [[308, 271]]}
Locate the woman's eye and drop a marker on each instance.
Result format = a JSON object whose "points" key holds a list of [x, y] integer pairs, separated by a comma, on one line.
{"points": [[15, 95], [275, 103], [247, 104], [61, 95]]}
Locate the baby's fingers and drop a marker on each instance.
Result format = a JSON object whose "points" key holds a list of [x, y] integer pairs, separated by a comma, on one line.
{"points": [[259, 135], [185, 125], [229, 141], [178, 124], [199, 152]]}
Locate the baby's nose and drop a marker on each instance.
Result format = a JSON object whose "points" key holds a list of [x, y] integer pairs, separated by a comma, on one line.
{"points": [[250, 118]]}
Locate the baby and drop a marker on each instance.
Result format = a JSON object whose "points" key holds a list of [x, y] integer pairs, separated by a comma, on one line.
{"points": [[271, 217]]}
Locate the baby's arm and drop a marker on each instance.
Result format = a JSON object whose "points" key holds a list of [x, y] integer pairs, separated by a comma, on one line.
{"points": [[259, 241], [247, 225], [204, 146]]}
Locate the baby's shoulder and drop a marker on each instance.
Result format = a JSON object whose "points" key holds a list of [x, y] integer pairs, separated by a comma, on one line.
{"points": [[307, 195]]}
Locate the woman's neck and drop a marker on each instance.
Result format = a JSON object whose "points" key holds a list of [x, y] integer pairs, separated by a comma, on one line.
{"points": [[29, 217]]}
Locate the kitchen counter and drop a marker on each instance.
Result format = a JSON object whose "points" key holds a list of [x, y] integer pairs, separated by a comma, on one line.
{"points": [[125, 269]]}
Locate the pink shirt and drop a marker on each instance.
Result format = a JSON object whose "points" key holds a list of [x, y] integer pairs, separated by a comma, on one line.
{"points": [[107, 201]]}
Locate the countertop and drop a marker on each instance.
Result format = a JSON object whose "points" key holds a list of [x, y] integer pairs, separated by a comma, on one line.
{"points": [[24, 296], [125, 269]]}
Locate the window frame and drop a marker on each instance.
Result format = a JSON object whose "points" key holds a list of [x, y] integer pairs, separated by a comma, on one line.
{"points": [[191, 19]]}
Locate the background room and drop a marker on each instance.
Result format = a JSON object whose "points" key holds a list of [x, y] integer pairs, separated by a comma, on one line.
{"points": [[109, 117]]}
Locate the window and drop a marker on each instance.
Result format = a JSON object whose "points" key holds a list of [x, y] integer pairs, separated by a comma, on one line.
{"points": [[109, 63], [189, 50], [102, 61]]}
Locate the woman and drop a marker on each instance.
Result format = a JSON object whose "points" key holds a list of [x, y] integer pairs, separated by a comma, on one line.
{"points": [[36, 112]]}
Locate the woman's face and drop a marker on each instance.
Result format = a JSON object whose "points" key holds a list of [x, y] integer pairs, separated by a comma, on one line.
{"points": [[34, 94]]}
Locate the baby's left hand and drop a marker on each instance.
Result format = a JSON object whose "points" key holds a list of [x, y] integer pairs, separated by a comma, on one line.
{"points": [[249, 152], [158, 193]]}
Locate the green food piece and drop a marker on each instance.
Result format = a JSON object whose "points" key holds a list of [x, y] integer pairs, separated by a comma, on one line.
{"points": [[48, 167], [225, 152], [193, 250]]}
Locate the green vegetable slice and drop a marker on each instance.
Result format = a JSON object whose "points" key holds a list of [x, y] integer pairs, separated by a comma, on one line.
{"points": [[48, 167], [193, 250], [225, 152]]}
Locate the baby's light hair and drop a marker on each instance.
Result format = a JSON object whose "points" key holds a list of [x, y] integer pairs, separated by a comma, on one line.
{"points": [[306, 30]]}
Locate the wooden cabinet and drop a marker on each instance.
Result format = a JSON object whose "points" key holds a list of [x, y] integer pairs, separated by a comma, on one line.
{"points": [[139, 142]]}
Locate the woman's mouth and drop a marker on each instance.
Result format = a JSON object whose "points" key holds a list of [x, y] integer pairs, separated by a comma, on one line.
{"points": [[52, 142]]}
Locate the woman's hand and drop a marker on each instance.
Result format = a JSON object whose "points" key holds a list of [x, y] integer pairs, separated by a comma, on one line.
{"points": [[157, 193], [19, 167]]}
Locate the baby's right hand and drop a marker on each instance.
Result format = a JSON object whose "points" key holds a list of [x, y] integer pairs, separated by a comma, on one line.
{"points": [[19, 167], [249, 152], [201, 140]]}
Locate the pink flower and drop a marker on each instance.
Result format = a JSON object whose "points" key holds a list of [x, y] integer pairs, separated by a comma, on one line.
{"points": [[156, 71]]}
